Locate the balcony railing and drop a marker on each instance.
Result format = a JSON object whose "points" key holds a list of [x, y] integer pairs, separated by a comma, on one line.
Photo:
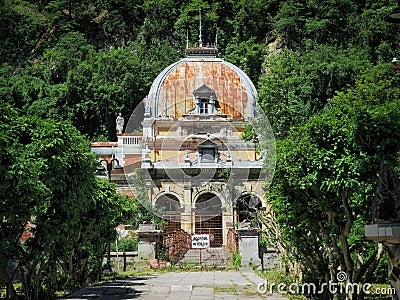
{"points": [[129, 140]]}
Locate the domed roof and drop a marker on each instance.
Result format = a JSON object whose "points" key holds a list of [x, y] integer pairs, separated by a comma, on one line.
{"points": [[172, 92]]}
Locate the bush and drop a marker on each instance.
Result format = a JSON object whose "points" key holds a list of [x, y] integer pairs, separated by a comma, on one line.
{"points": [[125, 245], [236, 258]]}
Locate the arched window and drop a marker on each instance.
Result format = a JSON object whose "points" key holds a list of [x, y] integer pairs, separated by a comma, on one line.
{"points": [[208, 217], [168, 207]]}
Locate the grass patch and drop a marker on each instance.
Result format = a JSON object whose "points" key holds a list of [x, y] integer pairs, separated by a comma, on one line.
{"points": [[195, 267], [236, 258]]}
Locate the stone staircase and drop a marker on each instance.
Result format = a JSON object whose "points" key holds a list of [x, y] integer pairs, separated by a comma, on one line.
{"points": [[209, 257]]}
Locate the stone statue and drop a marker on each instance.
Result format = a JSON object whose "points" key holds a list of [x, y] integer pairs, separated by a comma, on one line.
{"points": [[119, 123]]}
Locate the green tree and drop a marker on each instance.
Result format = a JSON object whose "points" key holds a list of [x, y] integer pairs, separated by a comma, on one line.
{"points": [[21, 29], [48, 188], [327, 174], [297, 86], [70, 50], [74, 82], [111, 82]]}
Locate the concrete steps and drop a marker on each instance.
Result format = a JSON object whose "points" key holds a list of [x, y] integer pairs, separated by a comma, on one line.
{"points": [[211, 256]]}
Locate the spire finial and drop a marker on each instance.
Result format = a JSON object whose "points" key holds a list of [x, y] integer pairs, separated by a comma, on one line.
{"points": [[187, 38], [200, 41]]}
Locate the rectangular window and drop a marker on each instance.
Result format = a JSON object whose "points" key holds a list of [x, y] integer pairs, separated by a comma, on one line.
{"points": [[204, 106]]}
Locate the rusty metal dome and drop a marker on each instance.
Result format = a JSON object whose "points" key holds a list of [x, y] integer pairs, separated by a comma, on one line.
{"points": [[172, 92]]}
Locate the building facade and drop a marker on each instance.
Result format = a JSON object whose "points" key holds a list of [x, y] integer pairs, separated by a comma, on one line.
{"points": [[201, 176], [198, 172]]}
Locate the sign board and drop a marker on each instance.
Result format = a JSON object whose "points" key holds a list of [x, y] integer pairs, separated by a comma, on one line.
{"points": [[200, 241]]}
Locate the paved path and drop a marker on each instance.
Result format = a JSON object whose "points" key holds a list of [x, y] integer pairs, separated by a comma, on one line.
{"points": [[215, 285]]}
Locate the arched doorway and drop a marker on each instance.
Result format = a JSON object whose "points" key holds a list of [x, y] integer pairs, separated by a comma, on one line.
{"points": [[168, 206], [208, 217], [247, 207]]}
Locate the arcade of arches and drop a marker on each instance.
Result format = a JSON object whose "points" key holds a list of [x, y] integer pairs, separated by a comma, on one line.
{"points": [[208, 213]]}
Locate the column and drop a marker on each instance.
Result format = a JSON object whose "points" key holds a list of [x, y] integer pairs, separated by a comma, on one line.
{"points": [[186, 219]]}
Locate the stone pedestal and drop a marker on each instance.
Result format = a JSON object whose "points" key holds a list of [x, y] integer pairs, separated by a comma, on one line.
{"points": [[249, 247], [271, 260], [149, 241], [388, 232]]}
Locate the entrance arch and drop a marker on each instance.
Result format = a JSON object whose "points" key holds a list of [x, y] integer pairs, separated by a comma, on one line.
{"points": [[208, 218], [247, 206], [168, 206]]}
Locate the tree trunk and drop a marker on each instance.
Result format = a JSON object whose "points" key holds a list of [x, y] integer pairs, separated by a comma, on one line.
{"points": [[10, 291], [394, 266], [373, 261]]}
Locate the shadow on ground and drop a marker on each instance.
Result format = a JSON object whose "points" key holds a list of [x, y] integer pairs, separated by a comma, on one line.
{"points": [[127, 288]]}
